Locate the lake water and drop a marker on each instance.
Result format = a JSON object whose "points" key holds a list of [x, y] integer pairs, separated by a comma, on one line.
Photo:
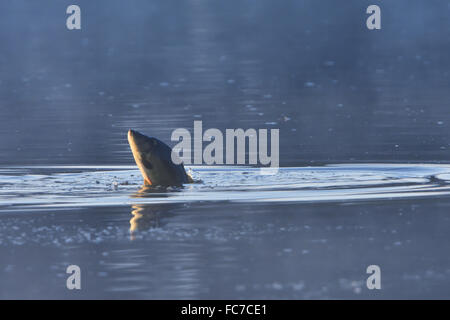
{"points": [[305, 232], [364, 149]]}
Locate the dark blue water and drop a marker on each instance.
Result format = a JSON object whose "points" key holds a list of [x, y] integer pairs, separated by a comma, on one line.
{"points": [[339, 93]]}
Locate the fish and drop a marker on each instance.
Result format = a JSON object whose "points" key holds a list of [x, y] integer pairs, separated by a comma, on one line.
{"points": [[154, 160]]}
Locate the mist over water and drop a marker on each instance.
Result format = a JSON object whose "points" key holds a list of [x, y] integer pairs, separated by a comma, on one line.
{"points": [[339, 93]]}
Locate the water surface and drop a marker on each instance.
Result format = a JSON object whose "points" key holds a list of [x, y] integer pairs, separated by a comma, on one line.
{"points": [[364, 145], [305, 232]]}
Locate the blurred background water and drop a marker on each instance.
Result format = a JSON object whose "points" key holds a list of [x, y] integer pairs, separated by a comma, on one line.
{"points": [[338, 92]]}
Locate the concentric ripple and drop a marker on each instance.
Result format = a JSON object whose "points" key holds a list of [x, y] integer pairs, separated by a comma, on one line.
{"points": [[68, 186]]}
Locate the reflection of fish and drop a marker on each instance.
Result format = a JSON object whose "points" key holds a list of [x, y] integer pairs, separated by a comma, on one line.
{"points": [[149, 216], [154, 159], [143, 218]]}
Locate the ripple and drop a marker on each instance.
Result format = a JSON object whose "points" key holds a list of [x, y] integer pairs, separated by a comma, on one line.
{"points": [[83, 186]]}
